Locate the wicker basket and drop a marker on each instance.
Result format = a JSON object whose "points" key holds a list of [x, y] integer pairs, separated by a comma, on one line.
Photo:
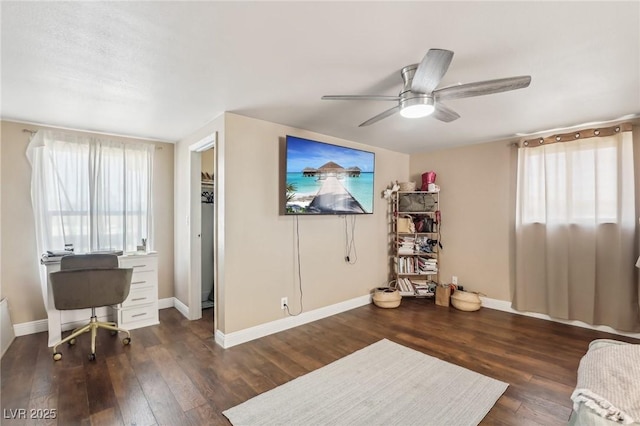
{"points": [[407, 186], [465, 301], [386, 297]]}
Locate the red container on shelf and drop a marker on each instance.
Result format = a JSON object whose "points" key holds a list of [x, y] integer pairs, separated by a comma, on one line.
{"points": [[427, 178]]}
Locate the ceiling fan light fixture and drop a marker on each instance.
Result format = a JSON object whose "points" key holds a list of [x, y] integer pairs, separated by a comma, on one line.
{"points": [[417, 107]]}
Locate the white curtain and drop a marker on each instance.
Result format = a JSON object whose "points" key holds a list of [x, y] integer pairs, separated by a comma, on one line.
{"points": [[575, 231], [91, 192]]}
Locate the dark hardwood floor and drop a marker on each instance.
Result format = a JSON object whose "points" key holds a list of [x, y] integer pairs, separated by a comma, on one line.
{"points": [[174, 373]]}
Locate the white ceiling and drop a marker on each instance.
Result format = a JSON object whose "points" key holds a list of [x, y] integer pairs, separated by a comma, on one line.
{"points": [[163, 69]]}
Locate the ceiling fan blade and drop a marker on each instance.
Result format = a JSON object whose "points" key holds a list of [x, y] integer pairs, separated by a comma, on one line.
{"points": [[431, 70], [360, 98], [482, 88], [380, 116], [444, 113]]}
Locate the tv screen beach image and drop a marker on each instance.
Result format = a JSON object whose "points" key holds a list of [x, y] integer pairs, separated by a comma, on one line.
{"points": [[328, 179]]}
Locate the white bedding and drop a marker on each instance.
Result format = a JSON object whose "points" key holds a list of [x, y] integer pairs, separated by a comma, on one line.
{"points": [[608, 384]]}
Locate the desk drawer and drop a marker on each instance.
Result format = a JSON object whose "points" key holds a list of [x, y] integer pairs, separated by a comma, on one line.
{"points": [[140, 295], [143, 279], [136, 314], [141, 263]]}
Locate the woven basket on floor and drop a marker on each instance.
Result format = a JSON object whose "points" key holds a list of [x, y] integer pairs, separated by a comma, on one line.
{"points": [[386, 297], [465, 301]]}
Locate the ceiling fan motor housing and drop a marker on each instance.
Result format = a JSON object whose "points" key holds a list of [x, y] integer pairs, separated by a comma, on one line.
{"points": [[413, 104], [407, 77]]}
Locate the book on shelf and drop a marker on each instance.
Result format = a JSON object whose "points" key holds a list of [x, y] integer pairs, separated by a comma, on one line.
{"points": [[404, 286]]}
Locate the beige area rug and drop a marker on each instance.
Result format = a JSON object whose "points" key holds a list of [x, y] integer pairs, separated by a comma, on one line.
{"points": [[382, 384]]}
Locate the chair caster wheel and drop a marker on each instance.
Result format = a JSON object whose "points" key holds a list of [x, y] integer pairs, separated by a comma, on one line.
{"points": [[126, 341], [92, 357], [57, 356], [72, 342]]}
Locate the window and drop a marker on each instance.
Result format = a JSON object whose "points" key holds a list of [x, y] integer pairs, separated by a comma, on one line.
{"points": [[573, 183], [575, 234], [90, 192]]}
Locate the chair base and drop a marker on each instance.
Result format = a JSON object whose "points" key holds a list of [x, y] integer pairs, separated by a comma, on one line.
{"points": [[92, 327]]}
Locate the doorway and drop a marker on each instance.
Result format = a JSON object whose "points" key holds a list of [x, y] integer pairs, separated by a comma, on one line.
{"points": [[207, 202], [202, 222]]}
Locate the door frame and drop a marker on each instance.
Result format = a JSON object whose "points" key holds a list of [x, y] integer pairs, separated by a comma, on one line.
{"points": [[195, 259]]}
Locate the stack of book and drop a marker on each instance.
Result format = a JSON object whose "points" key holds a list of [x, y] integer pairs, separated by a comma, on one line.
{"points": [[406, 245], [427, 265]]}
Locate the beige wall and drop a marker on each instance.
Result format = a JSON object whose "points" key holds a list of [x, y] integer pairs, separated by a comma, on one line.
{"points": [[477, 201], [20, 265], [258, 246]]}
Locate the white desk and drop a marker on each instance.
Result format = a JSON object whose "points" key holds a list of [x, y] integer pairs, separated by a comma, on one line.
{"points": [[139, 310]]}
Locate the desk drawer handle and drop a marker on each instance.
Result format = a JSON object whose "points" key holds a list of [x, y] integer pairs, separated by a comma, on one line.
{"points": [[138, 282], [138, 298], [139, 315], [138, 266]]}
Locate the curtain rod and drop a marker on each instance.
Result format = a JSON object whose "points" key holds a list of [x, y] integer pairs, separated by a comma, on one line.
{"points": [[578, 134], [33, 132], [632, 118]]}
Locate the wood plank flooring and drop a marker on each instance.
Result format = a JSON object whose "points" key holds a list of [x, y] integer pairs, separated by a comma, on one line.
{"points": [[175, 374]]}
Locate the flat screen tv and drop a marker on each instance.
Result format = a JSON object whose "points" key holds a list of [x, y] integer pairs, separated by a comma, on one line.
{"points": [[327, 179]]}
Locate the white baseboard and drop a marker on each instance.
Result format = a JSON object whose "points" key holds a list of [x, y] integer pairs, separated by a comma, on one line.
{"points": [[168, 302], [172, 302], [219, 338], [504, 305], [31, 327], [252, 333], [181, 307], [7, 333]]}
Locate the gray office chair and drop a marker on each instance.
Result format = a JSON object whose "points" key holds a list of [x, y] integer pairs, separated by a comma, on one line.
{"points": [[90, 281]]}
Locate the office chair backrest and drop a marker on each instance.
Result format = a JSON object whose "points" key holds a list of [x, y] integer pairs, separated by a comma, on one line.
{"points": [[90, 280], [89, 261]]}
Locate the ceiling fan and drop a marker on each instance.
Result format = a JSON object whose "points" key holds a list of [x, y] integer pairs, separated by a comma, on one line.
{"points": [[419, 96]]}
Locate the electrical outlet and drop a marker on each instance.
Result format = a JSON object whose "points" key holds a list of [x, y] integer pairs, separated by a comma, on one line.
{"points": [[284, 302], [454, 280]]}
